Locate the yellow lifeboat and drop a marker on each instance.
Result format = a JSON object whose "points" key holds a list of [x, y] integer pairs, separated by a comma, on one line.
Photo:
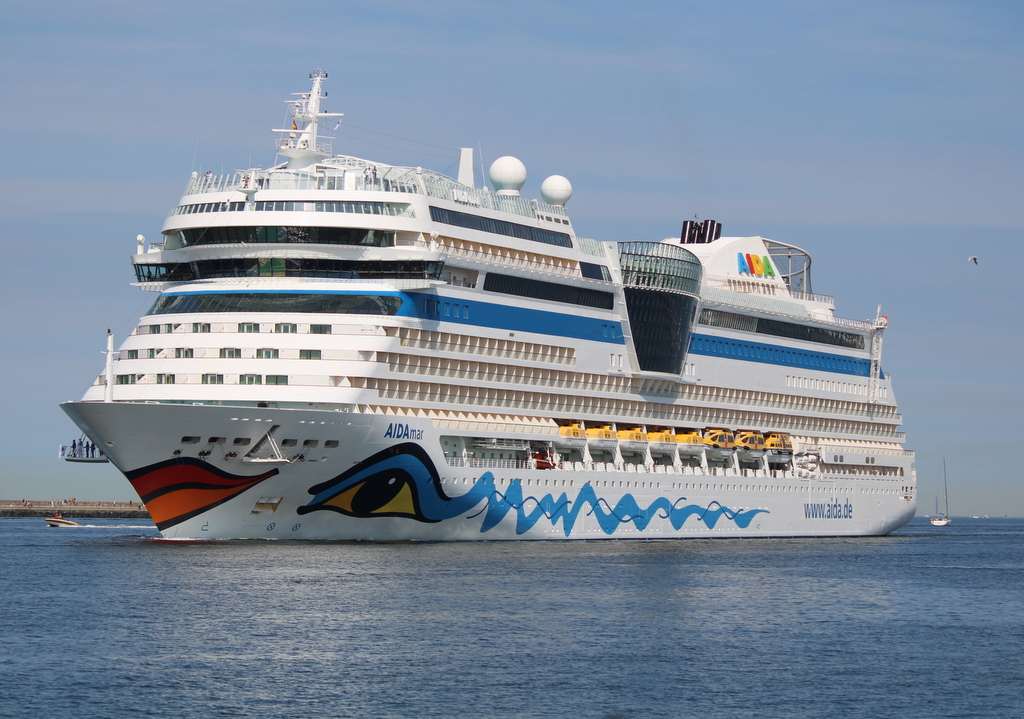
{"points": [[571, 437], [602, 439], [689, 442], [750, 445], [779, 448], [633, 440], [719, 443], [661, 441]]}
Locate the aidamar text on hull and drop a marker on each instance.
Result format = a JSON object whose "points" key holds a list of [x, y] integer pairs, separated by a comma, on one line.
{"points": [[345, 349]]}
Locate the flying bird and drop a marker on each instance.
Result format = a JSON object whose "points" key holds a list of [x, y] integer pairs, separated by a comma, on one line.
{"points": [[973, 259]]}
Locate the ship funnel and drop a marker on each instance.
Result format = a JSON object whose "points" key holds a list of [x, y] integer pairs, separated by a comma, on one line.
{"points": [[466, 166]]}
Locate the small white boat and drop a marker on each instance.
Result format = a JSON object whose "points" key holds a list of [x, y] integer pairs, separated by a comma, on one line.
{"points": [[58, 521]]}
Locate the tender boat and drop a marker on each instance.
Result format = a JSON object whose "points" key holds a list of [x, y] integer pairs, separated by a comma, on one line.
{"points": [[779, 448], [720, 444], [750, 445]]}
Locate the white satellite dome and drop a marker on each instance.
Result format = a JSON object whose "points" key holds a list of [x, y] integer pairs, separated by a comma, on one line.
{"points": [[508, 175], [556, 190]]}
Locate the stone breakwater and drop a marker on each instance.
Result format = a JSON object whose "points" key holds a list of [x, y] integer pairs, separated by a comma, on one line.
{"points": [[75, 510]]}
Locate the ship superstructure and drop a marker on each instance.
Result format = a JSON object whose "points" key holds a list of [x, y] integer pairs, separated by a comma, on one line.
{"points": [[344, 349]]}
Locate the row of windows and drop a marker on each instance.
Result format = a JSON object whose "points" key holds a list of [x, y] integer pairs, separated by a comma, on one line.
{"points": [[359, 208], [779, 355], [207, 379], [208, 207], [778, 328], [499, 227], [445, 309], [244, 441], [224, 353], [552, 291], [243, 327], [288, 267], [277, 302], [284, 235]]}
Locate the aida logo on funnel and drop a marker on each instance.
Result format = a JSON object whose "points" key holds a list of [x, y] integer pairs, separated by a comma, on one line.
{"points": [[754, 265]]}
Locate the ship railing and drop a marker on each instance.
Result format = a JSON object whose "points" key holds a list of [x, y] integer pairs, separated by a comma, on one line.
{"points": [[745, 285], [622, 468], [776, 305], [511, 261], [350, 175], [443, 188]]}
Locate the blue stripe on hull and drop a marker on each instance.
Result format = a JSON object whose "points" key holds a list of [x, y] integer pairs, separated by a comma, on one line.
{"points": [[773, 354], [517, 319]]}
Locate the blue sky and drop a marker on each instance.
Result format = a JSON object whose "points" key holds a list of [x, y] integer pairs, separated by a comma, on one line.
{"points": [[883, 137]]}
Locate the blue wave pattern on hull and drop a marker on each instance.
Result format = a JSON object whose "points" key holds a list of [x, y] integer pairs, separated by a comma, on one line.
{"points": [[608, 518], [403, 482]]}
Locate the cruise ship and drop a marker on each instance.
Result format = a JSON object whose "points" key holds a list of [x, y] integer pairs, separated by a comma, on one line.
{"points": [[344, 349]]}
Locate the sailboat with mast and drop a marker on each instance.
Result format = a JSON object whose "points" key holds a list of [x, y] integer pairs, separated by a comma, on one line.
{"points": [[942, 520]]}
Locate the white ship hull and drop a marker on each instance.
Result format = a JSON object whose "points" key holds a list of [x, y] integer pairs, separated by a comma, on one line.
{"points": [[386, 482]]}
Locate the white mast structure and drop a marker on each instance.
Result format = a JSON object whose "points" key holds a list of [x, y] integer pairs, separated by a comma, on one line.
{"points": [[301, 143], [881, 322]]}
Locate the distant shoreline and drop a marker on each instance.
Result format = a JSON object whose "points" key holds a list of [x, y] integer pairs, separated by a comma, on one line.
{"points": [[106, 510]]}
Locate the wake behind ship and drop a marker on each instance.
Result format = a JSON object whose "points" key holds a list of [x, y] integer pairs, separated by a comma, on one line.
{"points": [[345, 349]]}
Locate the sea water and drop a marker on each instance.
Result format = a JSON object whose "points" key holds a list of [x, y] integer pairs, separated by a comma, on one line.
{"points": [[104, 620]]}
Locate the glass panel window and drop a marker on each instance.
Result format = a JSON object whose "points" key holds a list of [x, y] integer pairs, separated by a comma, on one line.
{"points": [[250, 379], [213, 379], [277, 302], [125, 379], [320, 329], [309, 354], [277, 379], [285, 328], [151, 353], [165, 379], [183, 352], [200, 326], [133, 354], [267, 353], [154, 329], [230, 353], [248, 326]]}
